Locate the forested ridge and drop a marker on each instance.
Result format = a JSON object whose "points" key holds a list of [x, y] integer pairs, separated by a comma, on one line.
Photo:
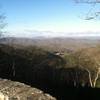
{"points": [[46, 70]]}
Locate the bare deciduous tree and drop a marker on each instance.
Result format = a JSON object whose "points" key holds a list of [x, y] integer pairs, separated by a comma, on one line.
{"points": [[91, 14], [89, 59], [2, 23]]}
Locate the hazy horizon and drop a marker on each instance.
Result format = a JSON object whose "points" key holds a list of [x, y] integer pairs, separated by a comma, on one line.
{"points": [[48, 34]]}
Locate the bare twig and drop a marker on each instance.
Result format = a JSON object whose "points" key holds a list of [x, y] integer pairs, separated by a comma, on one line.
{"points": [[87, 1], [92, 14]]}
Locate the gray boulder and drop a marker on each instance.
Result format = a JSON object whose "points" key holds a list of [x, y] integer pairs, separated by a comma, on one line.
{"points": [[10, 90]]}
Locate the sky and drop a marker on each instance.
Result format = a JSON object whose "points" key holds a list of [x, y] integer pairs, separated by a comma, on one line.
{"points": [[48, 17]]}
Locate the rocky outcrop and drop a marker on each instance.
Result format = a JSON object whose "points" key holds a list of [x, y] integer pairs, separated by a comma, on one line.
{"points": [[10, 90]]}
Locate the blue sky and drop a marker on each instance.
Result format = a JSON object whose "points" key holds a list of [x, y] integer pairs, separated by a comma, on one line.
{"points": [[47, 16]]}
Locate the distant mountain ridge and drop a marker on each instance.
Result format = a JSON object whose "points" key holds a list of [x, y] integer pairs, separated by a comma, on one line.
{"points": [[54, 43], [50, 34]]}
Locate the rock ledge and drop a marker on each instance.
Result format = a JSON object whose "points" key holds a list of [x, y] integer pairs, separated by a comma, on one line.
{"points": [[10, 90]]}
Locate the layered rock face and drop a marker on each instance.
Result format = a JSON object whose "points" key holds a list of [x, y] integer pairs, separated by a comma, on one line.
{"points": [[10, 90]]}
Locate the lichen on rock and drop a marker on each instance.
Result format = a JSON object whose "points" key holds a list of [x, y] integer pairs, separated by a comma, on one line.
{"points": [[10, 90]]}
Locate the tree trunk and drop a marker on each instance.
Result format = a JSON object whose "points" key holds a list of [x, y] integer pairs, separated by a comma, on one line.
{"points": [[95, 79]]}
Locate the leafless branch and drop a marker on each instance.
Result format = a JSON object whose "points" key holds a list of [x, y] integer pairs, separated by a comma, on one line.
{"points": [[92, 14], [87, 1], [2, 23]]}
